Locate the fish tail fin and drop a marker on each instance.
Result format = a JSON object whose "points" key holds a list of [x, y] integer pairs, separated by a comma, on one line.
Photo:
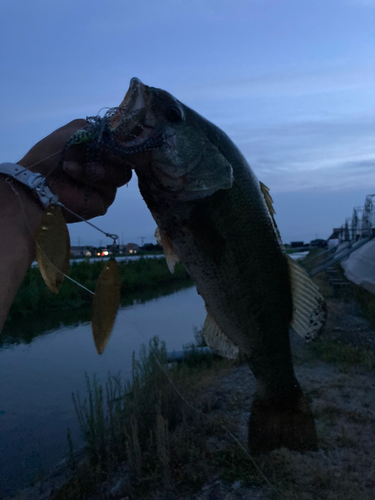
{"points": [[272, 426]]}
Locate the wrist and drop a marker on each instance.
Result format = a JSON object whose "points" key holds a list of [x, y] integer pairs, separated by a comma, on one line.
{"points": [[35, 182], [17, 229], [20, 214]]}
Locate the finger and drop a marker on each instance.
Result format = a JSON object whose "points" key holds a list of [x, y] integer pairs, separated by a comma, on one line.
{"points": [[82, 199], [97, 175], [51, 145], [118, 176], [94, 206], [118, 168], [75, 170], [92, 174]]}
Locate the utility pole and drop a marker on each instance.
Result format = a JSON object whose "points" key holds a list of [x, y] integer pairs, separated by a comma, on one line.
{"points": [[142, 238]]}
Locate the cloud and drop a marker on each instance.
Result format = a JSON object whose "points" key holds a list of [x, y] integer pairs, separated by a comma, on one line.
{"points": [[302, 156], [290, 82]]}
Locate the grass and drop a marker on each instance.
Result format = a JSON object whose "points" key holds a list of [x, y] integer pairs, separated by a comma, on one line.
{"points": [[137, 277], [366, 300], [145, 422], [313, 258], [235, 465], [339, 354]]}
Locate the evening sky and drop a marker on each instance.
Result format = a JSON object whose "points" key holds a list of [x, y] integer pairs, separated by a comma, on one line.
{"points": [[292, 83]]}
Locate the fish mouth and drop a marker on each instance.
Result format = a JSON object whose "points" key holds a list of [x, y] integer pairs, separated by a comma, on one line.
{"points": [[129, 124], [135, 97]]}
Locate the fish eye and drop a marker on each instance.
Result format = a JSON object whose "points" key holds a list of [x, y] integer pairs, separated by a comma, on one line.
{"points": [[174, 114]]}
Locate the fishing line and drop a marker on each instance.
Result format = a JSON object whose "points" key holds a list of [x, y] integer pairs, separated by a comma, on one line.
{"points": [[95, 121], [109, 235], [9, 181], [190, 405], [41, 161]]}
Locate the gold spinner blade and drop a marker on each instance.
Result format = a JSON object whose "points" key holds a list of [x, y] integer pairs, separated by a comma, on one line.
{"points": [[53, 248], [105, 305]]}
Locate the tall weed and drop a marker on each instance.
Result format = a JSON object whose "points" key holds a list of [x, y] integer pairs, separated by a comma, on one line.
{"points": [[145, 422]]}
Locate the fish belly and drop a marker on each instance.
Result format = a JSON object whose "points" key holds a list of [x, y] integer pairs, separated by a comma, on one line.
{"points": [[229, 248]]}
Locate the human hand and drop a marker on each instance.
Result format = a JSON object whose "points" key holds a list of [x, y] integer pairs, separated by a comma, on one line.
{"points": [[87, 188]]}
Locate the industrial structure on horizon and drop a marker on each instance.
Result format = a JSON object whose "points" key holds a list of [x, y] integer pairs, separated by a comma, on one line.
{"points": [[357, 227], [353, 246]]}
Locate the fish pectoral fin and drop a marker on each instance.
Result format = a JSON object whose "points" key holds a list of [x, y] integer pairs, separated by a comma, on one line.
{"points": [[168, 250], [217, 341], [309, 308], [212, 173]]}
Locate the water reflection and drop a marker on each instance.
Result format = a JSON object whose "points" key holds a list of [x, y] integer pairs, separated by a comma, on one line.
{"points": [[37, 379], [26, 329], [39, 372]]}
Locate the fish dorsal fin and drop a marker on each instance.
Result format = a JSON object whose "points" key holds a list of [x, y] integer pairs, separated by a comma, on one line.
{"points": [[217, 341], [269, 202], [268, 198], [168, 250], [309, 308]]}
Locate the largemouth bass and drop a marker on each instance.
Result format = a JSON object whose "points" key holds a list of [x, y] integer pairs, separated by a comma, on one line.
{"points": [[217, 219]]}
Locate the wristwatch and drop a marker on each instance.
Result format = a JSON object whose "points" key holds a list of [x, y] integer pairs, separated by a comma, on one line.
{"points": [[34, 181]]}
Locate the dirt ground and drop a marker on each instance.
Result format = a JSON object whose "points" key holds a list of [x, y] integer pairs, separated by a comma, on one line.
{"points": [[343, 468], [343, 402]]}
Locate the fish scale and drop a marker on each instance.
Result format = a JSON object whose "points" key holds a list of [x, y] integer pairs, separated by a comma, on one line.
{"points": [[211, 211], [237, 290]]}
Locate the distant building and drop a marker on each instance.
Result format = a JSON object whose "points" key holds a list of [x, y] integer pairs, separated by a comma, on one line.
{"points": [[150, 247], [296, 244], [121, 248], [82, 251], [346, 232], [335, 234], [318, 243], [132, 248], [334, 239]]}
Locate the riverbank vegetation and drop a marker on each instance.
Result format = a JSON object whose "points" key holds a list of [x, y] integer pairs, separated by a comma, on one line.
{"points": [[352, 292], [137, 277], [164, 434], [149, 426], [37, 310]]}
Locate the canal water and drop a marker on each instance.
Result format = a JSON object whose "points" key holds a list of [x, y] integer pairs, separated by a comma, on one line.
{"points": [[37, 380], [41, 366]]}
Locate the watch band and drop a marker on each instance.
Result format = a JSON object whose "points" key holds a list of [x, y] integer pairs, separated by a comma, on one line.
{"points": [[34, 181]]}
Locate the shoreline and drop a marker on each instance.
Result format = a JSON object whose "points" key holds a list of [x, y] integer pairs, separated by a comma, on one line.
{"points": [[337, 372]]}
